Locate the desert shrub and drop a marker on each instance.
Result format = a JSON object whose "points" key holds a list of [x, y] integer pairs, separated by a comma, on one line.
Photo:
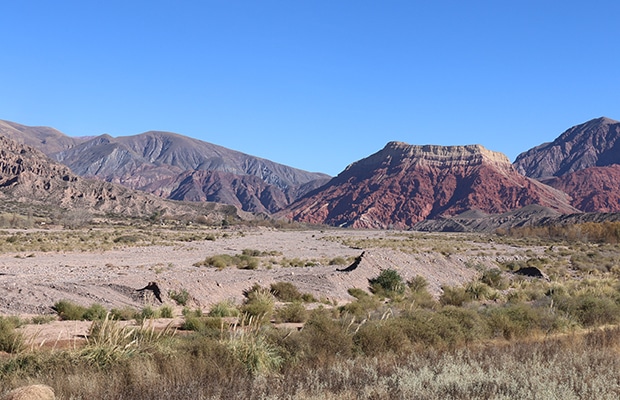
{"points": [[181, 297], [337, 261], [389, 283], [376, 338], [128, 239], [95, 312], [188, 312], [308, 298], [69, 311], [418, 284], [251, 347], [147, 312], [471, 324], [123, 314], [206, 326], [43, 319], [519, 320], [193, 323], [165, 311], [224, 308], [589, 309], [221, 261], [322, 339], [11, 341], [293, 312], [358, 293], [430, 328], [362, 306], [478, 291], [285, 291], [259, 303], [454, 296], [494, 279]]}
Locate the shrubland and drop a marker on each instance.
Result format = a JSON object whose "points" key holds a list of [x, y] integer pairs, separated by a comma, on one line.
{"points": [[500, 336]]}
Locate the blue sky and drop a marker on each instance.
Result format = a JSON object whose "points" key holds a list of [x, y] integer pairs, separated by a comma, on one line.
{"points": [[314, 84]]}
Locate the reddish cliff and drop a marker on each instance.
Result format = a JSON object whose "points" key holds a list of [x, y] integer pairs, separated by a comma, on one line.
{"points": [[404, 184]]}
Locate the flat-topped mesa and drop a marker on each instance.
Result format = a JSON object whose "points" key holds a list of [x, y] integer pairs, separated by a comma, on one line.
{"points": [[403, 154]]}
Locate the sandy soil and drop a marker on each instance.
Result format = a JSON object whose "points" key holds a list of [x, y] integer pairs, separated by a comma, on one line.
{"points": [[31, 284]]}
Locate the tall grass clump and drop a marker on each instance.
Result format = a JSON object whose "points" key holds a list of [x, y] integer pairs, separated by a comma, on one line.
{"points": [[250, 346], [11, 341], [259, 303]]}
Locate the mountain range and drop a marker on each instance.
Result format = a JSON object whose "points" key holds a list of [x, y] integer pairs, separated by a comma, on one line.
{"points": [[401, 185]]}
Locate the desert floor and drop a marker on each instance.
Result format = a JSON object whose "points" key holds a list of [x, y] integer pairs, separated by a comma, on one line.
{"points": [[31, 282]]}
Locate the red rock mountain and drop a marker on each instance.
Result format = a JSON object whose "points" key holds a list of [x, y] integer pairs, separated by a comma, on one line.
{"points": [[582, 162], [162, 163], [404, 184]]}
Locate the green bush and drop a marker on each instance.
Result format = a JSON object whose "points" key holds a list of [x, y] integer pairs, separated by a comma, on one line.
{"points": [[376, 338], [293, 312], [418, 284], [519, 320], [388, 283], [588, 309], [123, 314], [181, 297], [494, 279], [146, 313], [165, 311], [285, 291], [69, 311], [224, 308], [95, 312], [454, 296], [322, 339], [430, 328]]}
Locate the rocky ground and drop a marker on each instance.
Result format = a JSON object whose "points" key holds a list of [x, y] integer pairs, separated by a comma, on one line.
{"points": [[31, 282]]}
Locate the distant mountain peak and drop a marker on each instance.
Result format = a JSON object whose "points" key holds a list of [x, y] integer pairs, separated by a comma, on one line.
{"points": [[591, 144]]}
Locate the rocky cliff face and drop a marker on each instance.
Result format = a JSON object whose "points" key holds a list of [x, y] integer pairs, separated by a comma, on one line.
{"points": [[404, 184], [30, 177], [595, 189], [156, 161], [591, 144]]}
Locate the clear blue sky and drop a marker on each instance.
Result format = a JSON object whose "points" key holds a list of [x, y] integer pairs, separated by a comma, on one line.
{"points": [[314, 84]]}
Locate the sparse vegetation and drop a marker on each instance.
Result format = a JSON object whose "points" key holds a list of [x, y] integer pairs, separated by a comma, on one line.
{"points": [[499, 336], [181, 297]]}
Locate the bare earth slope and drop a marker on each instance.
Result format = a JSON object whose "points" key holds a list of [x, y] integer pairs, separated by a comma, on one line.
{"points": [[31, 283], [404, 184]]}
